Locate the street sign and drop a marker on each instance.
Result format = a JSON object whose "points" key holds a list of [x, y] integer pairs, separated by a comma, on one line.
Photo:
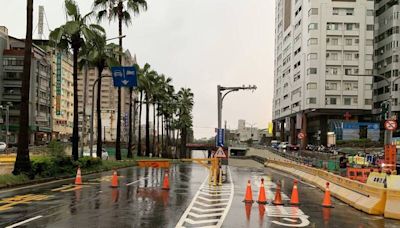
{"points": [[220, 137], [220, 153], [301, 135], [124, 76], [390, 125]]}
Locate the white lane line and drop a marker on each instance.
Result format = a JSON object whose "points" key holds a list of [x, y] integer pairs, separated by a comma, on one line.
{"points": [[25, 221], [144, 178]]}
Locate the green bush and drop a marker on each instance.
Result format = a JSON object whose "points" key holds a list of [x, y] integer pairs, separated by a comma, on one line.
{"points": [[87, 162], [56, 149], [44, 166]]}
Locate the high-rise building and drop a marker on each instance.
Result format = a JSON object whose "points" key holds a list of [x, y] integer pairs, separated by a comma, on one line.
{"points": [[12, 50], [387, 51], [318, 44]]}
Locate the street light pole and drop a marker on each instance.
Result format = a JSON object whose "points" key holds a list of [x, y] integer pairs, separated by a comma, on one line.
{"points": [[220, 98], [91, 116], [388, 134]]}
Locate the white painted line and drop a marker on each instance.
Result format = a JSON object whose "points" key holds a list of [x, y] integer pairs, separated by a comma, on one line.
{"points": [[214, 194], [144, 178], [211, 205], [25, 221], [207, 210], [204, 215], [201, 221], [212, 200]]}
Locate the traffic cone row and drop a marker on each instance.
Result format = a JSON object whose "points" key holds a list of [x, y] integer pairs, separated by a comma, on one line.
{"points": [[294, 199]]}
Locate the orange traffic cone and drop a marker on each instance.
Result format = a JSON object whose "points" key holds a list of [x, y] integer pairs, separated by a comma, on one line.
{"points": [[78, 179], [261, 196], [114, 181], [249, 195], [166, 182], [327, 197], [294, 200], [278, 197]]}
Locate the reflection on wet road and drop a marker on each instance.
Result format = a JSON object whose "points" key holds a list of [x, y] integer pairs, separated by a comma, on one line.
{"points": [[138, 202]]}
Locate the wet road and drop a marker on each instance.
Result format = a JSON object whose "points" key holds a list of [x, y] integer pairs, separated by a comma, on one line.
{"points": [[96, 204], [310, 208], [140, 202]]}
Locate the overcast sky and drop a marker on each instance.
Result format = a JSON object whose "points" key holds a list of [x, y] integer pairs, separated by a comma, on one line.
{"points": [[198, 43]]}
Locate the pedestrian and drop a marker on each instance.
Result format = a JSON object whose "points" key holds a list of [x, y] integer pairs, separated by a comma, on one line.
{"points": [[209, 153], [343, 165]]}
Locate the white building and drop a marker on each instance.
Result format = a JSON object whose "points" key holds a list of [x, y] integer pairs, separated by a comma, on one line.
{"points": [[318, 43], [244, 133]]}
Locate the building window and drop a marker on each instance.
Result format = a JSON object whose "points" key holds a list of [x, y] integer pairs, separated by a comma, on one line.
{"points": [[348, 56], [311, 100], [313, 26], [312, 56], [347, 101], [332, 101], [312, 85], [331, 86], [312, 41], [368, 101], [370, 27], [349, 42], [311, 71], [313, 11]]}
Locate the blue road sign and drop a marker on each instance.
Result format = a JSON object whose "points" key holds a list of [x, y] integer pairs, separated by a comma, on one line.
{"points": [[124, 76], [220, 137]]}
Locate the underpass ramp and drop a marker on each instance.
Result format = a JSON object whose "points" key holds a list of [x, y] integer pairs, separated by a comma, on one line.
{"points": [[209, 206]]}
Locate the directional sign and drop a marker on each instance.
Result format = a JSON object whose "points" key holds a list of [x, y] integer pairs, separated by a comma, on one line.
{"points": [[301, 135], [220, 153], [124, 76], [220, 137], [390, 125]]}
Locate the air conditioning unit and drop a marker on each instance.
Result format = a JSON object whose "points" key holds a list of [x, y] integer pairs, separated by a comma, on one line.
{"points": [[382, 51]]}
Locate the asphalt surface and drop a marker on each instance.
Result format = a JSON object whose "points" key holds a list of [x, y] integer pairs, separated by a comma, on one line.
{"points": [[140, 202], [310, 198], [96, 204]]}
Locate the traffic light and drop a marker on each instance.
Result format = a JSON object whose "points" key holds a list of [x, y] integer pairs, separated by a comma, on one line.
{"points": [[385, 111]]}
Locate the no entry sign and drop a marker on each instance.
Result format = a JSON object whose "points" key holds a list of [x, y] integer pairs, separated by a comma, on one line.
{"points": [[390, 125], [301, 135]]}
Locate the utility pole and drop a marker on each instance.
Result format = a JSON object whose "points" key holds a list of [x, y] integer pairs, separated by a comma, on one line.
{"points": [[221, 97]]}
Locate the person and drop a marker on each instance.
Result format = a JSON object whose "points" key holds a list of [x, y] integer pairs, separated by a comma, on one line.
{"points": [[343, 165]]}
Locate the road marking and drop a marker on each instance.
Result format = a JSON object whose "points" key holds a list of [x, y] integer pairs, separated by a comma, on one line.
{"points": [[25, 221], [144, 178], [294, 215], [209, 206], [8, 203]]}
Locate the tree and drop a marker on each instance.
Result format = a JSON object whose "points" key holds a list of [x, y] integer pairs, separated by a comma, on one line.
{"points": [[101, 55], [185, 118], [22, 163], [73, 34], [119, 10]]}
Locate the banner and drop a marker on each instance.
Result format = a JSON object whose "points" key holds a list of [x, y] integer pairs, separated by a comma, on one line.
{"points": [[299, 120], [270, 128], [58, 84]]}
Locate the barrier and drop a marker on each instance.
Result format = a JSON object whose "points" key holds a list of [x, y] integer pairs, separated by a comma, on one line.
{"points": [[7, 159], [360, 174], [370, 199], [377, 179], [392, 207], [154, 163]]}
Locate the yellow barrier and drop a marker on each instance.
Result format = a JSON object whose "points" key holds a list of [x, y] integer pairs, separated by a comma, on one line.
{"points": [[393, 182], [7, 159], [392, 208], [369, 199], [376, 179]]}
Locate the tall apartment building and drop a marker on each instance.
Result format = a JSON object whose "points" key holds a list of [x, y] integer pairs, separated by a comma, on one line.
{"points": [[317, 44], [387, 51], [12, 50], [109, 102]]}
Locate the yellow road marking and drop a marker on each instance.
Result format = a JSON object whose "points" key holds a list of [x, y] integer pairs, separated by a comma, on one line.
{"points": [[8, 203], [61, 188]]}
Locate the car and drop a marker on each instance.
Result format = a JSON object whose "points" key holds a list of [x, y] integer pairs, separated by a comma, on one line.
{"points": [[294, 147], [283, 145], [3, 146], [275, 144]]}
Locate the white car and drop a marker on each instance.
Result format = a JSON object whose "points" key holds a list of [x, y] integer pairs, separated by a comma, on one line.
{"points": [[104, 153], [3, 146], [283, 145]]}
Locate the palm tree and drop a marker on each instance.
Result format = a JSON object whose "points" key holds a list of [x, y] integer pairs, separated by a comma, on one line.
{"points": [[185, 119], [162, 98], [101, 55], [120, 10], [22, 163], [73, 34]]}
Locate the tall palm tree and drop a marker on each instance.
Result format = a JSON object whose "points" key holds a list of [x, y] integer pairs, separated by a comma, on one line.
{"points": [[101, 55], [73, 34], [185, 118], [22, 163], [162, 98], [120, 10]]}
